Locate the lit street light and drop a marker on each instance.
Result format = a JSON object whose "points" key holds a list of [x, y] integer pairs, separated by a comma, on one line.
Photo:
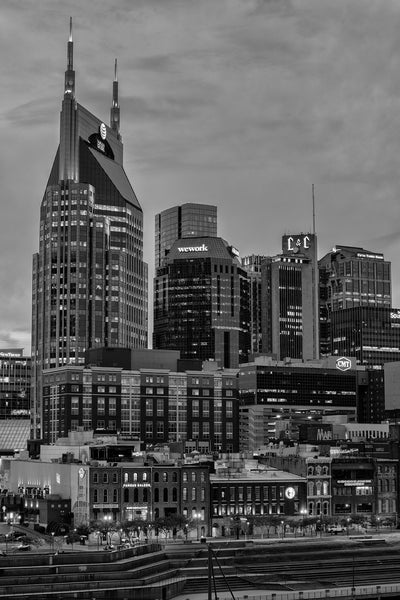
{"points": [[197, 516]]}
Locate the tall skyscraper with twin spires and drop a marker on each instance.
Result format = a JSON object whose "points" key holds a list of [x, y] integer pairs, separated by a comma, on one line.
{"points": [[89, 284]]}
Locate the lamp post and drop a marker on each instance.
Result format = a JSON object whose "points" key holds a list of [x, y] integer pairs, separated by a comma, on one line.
{"points": [[98, 533], [348, 521], [283, 529], [52, 540], [7, 542], [303, 513], [197, 516], [377, 523]]}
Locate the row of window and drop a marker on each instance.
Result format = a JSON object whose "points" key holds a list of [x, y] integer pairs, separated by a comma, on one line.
{"points": [[145, 477]]}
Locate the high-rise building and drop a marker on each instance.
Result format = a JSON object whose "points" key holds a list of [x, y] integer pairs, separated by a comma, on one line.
{"points": [[89, 275], [201, 302], [350, 277], [252, 265], [272, 391], [187, 220], [290, 319], [370, 334]]}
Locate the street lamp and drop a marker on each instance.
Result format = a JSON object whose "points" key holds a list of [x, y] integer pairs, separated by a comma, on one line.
{"points": [[52, 540], [6, 542], [348, 521], [283, 529], [303, 513], [197, 516]]}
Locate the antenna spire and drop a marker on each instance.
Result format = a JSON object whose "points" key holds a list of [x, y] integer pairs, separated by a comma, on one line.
{"points": [[115, 113], [313, 210], [69, 87]]}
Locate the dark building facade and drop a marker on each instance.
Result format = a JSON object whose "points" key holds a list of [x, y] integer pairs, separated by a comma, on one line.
{"points": [[350, 277], [201, 302], [15, 384], [200, 409], [185, 221], [252, 264], [89, 277], [273, 391], [290, 319], [370, 334]]}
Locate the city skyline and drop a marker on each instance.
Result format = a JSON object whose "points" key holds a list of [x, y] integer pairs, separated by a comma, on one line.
{"points": [[241, 104]]}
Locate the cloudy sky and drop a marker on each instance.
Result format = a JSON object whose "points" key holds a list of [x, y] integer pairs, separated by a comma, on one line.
{"points": [[239, 103]]}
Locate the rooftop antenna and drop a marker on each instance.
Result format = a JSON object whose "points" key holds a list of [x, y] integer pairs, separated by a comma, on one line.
{"points": [[313, 210]]}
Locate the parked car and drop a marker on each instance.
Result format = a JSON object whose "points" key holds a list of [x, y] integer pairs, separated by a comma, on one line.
{"points": [[109, 547], [23, 547], [335, 529]]}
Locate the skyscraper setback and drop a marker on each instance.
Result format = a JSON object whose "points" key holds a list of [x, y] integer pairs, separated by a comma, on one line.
{"points": [[89, 277]]}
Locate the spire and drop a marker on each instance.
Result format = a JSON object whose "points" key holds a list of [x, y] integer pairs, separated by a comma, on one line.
{"points": [[69, 87], [114, 114]]}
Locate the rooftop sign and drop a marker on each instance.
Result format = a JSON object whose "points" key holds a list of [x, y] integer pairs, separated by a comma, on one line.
{"points": [[202, 248], [343, 364]]}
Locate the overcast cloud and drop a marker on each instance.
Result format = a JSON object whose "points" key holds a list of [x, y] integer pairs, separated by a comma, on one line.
{"points": [[239, 103]]}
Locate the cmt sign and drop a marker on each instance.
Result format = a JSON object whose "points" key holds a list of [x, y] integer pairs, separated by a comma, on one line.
{"points": [[202, 248], [343, 364]]}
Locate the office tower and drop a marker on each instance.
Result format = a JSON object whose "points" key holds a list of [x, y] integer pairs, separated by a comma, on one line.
{"points": [[15, 384], [201, 302], [252, 264], [273, 391], [89, 275], [188, 220], [290, 320], [350, 277]]}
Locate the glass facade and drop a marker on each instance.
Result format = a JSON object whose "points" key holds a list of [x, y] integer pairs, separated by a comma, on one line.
{"points": [[188, 220], [370, 334], [350, 277], [201, 303], [15, 383]]}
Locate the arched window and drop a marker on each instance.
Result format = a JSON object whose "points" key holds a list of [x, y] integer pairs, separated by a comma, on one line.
{"points": [[95, 496], [318, 485], [174, 495], [325, 508], [325, 470], [144, 476], [126, 494], [310, 471], [318, 469], [95, 478], [115, 495], [310, 487], [318, 508], [156, 495], [126, 476], [325, 488], [105, 477], [165, 477], [105, 495], [311, 508], [135, 476], [157, 513], [145, 495], [165, 495], [156, 477], [136, 495], [174, 477]]}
